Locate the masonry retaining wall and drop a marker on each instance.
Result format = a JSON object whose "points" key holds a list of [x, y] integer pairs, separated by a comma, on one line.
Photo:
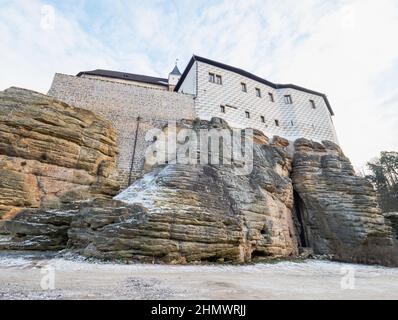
{"points": [[122, 104]]}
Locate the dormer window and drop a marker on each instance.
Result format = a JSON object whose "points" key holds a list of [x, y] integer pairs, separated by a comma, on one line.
{"points": [[312, 103], [288, 99], [277, 122], [247, 113], [222, 109], [218, 79], [258, 92], [262, 119], [243, 85]]}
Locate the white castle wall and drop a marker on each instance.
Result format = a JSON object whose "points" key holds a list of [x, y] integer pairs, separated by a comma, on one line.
{"points": [[295, 120], [122, 103]]}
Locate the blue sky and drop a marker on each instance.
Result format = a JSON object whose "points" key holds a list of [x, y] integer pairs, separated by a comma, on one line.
{"points": [[345, 48]]}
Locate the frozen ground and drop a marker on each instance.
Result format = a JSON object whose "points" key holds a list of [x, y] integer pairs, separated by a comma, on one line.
{"points": [[22, 274]]}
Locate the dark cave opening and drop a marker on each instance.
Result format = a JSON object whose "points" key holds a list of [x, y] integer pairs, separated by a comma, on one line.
{"points": [[299, 220], [259, 254]]}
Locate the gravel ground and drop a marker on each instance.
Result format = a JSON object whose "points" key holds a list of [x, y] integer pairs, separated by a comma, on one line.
{"points": [[24, 275]]}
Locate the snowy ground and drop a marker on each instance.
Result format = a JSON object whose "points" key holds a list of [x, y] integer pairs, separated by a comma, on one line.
{"points": [[23, 275]]}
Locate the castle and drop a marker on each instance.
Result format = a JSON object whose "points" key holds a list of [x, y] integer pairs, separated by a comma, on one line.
{"points": [[136, 103]]}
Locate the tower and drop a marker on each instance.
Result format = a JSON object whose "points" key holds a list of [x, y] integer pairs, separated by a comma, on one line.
{"points": [[174, 77]]}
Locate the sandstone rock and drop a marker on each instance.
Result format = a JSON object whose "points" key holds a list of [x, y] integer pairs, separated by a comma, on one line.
{"points": [[37, 229], [339, 210], [311, 206], [188, 213], [51, 152], [392, 218]]}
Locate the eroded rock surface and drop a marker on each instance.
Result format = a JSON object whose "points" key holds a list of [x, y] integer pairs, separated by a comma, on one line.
{"points": [[176, 213], [392, 218], [37, 229], [186, 213], [339, 210], [51, 153]]}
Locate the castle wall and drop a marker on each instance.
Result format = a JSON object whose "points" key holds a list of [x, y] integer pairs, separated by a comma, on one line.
{"points": [[122, 103], [295, 120], [189, 84]]}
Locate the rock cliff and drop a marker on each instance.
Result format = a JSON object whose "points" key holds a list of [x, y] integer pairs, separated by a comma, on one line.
{"points": [[185, 213], [338, 210], [51, 153], [296, 198]]}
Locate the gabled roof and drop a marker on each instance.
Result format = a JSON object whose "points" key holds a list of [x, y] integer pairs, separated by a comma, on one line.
{"points": [[250, 76], [125, 76], [176, 71]]}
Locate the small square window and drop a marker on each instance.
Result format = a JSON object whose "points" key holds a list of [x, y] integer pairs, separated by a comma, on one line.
{"points": [[218, 79], [262, 119], [288, 99], [258, 92], [312, 102], [222, 109], [277, 123], [211, 77], [271, 97], [244, 88], [247, 113]]}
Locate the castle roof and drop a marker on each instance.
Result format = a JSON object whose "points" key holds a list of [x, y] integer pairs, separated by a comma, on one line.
{"points": [[176, 71], [125, 76], [250, 76]]}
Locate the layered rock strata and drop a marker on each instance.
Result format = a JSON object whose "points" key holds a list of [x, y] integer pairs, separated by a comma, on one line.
{"points": [[51, 153], [338, 210], [186, 213]]}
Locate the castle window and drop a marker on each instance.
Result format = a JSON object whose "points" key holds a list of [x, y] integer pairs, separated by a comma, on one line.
{"points": [[288, 99], [212, 77], [222, 109], [218, 79], [271, 97], [258, 92], [312, 102], [247, 113], [277, 123], [262, 119], [244, 88]]}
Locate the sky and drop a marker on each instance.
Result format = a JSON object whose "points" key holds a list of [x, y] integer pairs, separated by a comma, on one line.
{"points": [[347, 49]]}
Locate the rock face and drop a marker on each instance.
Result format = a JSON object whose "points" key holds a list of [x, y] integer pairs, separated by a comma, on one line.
{"points": [[180, 213], [51, 153], [392, 218], [37, 229], [338, 210], [185, 213]]}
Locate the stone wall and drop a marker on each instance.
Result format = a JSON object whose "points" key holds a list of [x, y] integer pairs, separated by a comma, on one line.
{"points": [[122, 104]]}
